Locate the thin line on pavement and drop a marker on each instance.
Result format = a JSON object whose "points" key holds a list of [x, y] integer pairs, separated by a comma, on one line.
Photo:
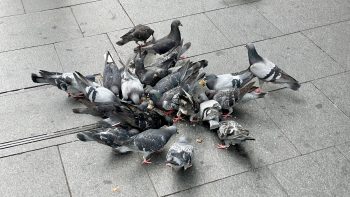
{"points": [[227, 38], [75, 18], [58, 57], [64, 171], [24, 10], [121, 5]]}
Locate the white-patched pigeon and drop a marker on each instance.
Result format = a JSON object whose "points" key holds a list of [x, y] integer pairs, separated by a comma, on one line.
{"points": [[132, 88], [94, 92], [226, 81]]}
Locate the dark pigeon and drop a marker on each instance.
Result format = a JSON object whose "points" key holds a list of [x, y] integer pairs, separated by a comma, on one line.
{"points": [[180, 154], [231, 133], [149, 141], [267, 71], [137, 34], [167, 43]]}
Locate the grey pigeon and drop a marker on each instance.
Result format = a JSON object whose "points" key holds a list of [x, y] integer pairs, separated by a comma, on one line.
{"points": [[229, 98], [124, 114], [149, 141], [231, 133], [267, 71], [226, 81], [180, 154], [138, 33], [95, 93], [64, 81], [112, 75], [149, 76], [165, 44], [132, 88], [113, 137]]}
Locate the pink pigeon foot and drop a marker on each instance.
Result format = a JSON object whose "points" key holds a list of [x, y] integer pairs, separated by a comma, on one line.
{"points": [[222, 146]]}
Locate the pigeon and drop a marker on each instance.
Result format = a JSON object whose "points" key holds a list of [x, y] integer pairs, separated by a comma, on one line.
{"points": [[187, 106], [267, 71], [113, 137], [167, 43], [132, 88], [111, 75], [64, 81], [231, 133], [149, 141], [229, 98], [210, 111], [226, 81], [149, 76], [138, 33], [124, 114], [95, 93], [188, 70], [180, 154], [169, 59]]}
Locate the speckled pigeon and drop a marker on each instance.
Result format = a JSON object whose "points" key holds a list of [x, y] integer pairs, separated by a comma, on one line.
{"points": [[231, 133], [180, 154]]}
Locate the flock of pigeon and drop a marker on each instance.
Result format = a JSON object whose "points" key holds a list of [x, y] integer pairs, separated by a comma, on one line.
{"points": [[159, 86]]}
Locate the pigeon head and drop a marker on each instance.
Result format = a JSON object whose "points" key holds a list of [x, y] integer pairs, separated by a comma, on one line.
{"points": [[204, 63], [154, 95], [176, 23], [253, 55]]}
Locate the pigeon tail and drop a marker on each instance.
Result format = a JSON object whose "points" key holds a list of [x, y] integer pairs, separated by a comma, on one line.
{"points": [[294, 86], [83, 136], [37, 79], [122, 42]]}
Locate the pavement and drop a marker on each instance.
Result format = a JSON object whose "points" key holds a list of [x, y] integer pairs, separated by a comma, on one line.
{"points": [[302, 145]]}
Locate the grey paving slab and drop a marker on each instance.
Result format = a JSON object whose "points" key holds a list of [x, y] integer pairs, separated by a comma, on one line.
{"points": [[191, 31], [345, 149], [322, 173], [17, 66], [336, 89], [307, 118], [37, 29], [154, 10], [93, 170], [224, 61], [38, 5], [334, 39], [242, 24], [10, 7], [101, 17], [38, 111], [37, 173], [294, 53], [253, 183], [85, 55], [295, 15], [211, 163]]}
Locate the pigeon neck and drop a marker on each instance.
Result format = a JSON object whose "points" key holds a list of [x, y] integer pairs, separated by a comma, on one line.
{"points": [[254, 57], [175, 33]]}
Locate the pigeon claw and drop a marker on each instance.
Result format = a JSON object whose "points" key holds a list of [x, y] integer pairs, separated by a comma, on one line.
{"points": [[146, 161], [222, 146], [177, 119]]}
